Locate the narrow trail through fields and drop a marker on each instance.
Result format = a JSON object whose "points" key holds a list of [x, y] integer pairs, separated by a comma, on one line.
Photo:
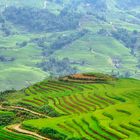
{"points": [[25, 109], [17, 128], [1, 107], [28, 110]]}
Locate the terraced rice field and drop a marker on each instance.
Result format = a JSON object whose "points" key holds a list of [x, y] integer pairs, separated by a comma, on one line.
{"points": [[105, 110]]}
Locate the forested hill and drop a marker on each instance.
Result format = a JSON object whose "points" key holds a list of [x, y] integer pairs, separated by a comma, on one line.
{"points": [[39, 38]]}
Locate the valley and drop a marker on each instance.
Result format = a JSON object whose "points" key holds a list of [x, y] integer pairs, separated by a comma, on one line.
{"points": [[101, 37]]}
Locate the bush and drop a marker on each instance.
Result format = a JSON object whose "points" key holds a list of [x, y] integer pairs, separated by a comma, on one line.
{"points": [[49, 111], [58, 67], [53, 134], [6, 118]]}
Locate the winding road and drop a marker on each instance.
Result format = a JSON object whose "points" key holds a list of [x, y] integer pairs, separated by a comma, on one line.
{"points": [[25, 109], [28, 110], [16, 127]]}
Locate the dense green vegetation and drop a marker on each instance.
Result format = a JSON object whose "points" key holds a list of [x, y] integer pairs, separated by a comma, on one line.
{"points": [[57, 67], [81, 106], [35, 20], [6, 118]]}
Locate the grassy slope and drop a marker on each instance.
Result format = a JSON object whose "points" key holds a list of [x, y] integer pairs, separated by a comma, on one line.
{"points": [[24, 65], [103, 50]]}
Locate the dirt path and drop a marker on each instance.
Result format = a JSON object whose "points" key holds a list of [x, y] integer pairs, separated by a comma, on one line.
{"points": [[33, 112], [25, 109], [17, 128], [1, 107]]}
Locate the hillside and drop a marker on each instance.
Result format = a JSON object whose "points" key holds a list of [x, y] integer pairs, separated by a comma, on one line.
{"points": [[77, 107], [80, 36]]}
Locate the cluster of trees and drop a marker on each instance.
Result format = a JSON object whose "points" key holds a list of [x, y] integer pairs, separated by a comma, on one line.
{"points": [[49, 47], [58, 67], [54, 134], [41, 20], [49, 111], [4, 27], [6, 59]]}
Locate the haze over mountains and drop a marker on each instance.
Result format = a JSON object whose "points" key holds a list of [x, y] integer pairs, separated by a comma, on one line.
{"points": [[39, 38]]}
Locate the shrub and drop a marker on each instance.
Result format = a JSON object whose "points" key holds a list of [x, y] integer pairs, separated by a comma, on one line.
{"points": [[6, 118], [50, 111], [53, 134]]}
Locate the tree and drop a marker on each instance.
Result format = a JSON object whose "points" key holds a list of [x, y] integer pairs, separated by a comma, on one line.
{"points": [[58, 67]]}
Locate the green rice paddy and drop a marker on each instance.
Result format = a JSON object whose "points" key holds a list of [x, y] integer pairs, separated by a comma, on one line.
{"points": [[87, 109]]}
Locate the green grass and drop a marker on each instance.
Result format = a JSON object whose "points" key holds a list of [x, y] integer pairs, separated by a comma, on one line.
{"points": [[24, 65], [20, 76]]}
